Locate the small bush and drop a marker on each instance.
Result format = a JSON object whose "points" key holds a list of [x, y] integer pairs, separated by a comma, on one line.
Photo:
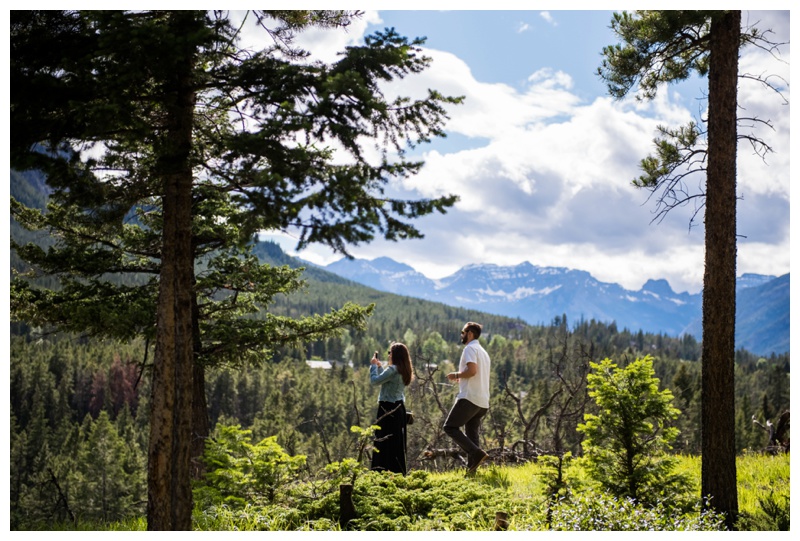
{"points": [[547, 495], [386, 501], [627, 441], [240, 472], [600, 512]]}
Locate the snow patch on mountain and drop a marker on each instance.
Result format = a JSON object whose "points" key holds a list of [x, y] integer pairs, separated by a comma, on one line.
{"points": [[518, 293], [538, 294]]}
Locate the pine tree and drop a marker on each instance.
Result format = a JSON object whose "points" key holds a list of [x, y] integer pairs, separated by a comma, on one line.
{"points": [[660, 47], [105, 483], [627, 440], [158, 94]]}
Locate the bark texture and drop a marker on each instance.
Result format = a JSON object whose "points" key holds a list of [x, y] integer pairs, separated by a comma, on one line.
{"points": [[169, 505], [718, 475]]}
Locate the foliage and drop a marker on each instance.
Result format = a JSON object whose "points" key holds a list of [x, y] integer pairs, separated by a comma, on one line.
{"points": [[311, 503], [600, 511], [628, 438], [248, 179], [205, 147], [423, 501], [556, 487], [239, 471], [774, 514], [108, 476], [94, 474], [365, 437], [661, 47], [764, 492]]}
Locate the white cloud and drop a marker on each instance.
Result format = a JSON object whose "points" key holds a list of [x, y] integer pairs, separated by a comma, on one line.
{"points": [[326, 44], [548, 17], [323, 44], [769, 175], [548, 180]]}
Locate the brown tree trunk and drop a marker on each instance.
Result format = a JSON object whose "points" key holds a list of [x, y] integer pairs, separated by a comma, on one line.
{"points": [[718, 472], [169, 505]]}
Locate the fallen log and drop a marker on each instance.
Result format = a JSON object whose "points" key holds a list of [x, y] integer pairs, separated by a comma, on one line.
{"points": [[452, 452]]}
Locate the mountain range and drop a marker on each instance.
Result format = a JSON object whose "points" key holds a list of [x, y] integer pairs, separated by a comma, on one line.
{"points": [[534, 294], [539, 294]]}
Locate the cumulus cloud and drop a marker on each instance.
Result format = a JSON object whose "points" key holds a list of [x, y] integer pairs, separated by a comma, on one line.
{"points": [[548, 178]]}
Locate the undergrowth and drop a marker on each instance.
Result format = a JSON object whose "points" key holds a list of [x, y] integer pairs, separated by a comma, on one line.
{"points": [[425, 501]]}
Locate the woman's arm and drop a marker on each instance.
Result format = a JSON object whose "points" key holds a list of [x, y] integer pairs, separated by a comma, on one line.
{"points": [[378, 376]]}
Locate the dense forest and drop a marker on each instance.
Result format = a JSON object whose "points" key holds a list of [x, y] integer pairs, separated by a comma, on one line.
{"points": [[79, 424]]}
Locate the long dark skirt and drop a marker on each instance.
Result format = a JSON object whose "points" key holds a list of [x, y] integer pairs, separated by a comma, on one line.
{"points": [[390, 440]]}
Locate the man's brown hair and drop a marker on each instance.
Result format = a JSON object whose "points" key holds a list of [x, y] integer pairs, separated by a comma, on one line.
{"points": [[474, 327]]}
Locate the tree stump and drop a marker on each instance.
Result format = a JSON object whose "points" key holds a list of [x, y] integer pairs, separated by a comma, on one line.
{"points": [[347, 511], [501, 520]]}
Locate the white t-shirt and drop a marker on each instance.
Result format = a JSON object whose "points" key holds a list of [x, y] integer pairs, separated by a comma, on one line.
{"points": [[476, 388]]}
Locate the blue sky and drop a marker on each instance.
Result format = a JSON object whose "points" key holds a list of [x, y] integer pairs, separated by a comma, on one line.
{"points": [[519, 42], [543, 158]]}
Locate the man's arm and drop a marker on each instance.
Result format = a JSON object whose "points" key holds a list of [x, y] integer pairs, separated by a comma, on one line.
{"points": [[470, 371]]}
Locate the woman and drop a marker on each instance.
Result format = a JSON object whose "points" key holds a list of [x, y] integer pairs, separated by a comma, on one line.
{"points": [[390, 439]]}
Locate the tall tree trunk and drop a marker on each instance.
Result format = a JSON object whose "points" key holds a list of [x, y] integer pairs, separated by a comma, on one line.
{"points": [[169, 505], [718, 472]]}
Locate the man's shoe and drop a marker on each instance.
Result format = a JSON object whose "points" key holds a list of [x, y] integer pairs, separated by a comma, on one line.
{"points": [[476, 461]]}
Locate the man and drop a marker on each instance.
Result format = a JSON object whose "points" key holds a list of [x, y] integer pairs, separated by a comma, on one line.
{"points": [[472, 400]]}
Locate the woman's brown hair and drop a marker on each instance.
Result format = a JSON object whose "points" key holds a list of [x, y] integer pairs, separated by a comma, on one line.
{"points": [[402, 360]]}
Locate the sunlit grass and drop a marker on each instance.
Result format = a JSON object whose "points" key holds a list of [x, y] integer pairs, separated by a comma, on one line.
{"points": [[425, 502], [756, 476], [759, 475]]}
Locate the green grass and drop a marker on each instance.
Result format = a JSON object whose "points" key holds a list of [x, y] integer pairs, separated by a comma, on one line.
{"points": [[756, 477], [424, 501]]}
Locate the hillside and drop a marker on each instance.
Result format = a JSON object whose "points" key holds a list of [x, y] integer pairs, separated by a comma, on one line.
{"points": [[762, 317]]}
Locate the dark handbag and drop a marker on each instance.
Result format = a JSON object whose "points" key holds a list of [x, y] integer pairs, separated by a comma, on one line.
{"points": [[409, 417]]}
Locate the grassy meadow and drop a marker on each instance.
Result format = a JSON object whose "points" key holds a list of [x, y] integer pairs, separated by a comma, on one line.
{"points": [[450, 501]]}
